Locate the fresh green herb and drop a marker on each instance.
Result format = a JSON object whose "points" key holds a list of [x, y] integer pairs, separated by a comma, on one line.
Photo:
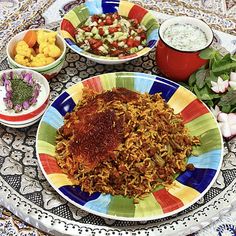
{"points": [[21, 91], [201, 82]]}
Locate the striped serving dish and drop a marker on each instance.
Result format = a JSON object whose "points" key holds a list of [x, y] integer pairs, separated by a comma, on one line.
{"points": [[80, 14], [186, 189]]}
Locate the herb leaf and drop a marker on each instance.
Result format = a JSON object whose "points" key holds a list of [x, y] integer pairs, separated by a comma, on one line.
{"points": [[208, 53], [228, 99], [200, 78], [192, 80]]}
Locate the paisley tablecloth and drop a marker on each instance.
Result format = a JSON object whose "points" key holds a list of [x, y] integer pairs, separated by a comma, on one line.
{"points": [[18, 15]]}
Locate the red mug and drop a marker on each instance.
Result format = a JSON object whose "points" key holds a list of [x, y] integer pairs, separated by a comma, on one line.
{"points": [[178, 64]]}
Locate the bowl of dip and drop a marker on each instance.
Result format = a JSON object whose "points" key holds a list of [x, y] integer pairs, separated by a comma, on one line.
{"points": [[181, 40]]}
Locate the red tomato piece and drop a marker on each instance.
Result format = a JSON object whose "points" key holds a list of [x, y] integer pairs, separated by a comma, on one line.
{"points": [[136, 43], [86, 28], [139, 30], [95, 43], [116, 52], [95, 18], [130, 42], [143, 35], [101, 31], [101, 24], [115, 44], [116, 16], [108, 20], [112, 30]]}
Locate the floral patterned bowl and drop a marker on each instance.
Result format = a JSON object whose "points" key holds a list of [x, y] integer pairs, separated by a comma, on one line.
{"points": [[79, 14], [48, 71], [33, 113]]}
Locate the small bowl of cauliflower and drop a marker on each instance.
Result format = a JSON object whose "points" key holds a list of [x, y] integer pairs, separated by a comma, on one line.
{"points": [[41, 50]]}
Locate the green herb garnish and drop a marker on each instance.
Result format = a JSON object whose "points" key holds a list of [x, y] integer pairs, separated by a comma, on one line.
{"points": [[21, 91], [201, 82]]}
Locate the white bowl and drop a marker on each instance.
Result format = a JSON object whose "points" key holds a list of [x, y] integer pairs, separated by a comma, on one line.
{"points": [[49, 71], [30, 116]]}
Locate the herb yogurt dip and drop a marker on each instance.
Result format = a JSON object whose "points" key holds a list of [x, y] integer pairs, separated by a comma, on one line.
{"points": [[185, 37]]}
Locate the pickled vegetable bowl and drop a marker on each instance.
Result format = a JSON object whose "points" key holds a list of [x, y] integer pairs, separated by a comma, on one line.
{"points": [[41, 50]]}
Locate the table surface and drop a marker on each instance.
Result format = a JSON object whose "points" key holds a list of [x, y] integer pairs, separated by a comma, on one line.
{"points": [[28, 183]]}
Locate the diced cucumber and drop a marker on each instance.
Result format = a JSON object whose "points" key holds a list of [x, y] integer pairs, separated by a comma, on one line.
{"points": [[103, 49], [105, 46], [118, 34], [122, 38], [97, 36], [140, 47], [110, 40], [137, 38], [144, 42], [94, 30], [94, 23], [124, 22], [85, 47], [121, 44], [133, 50], [133, 32], [88, 34]]}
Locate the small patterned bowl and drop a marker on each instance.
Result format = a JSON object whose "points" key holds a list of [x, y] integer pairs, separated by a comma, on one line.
{"points": [[48, 71], [79, 14], [28, 117]]}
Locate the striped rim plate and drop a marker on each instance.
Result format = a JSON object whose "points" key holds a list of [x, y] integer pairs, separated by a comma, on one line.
{"points": [[79, 14], [187, 188]]}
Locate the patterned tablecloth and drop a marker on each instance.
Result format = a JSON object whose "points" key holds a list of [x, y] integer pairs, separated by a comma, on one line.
{"points": [[18, 15]]}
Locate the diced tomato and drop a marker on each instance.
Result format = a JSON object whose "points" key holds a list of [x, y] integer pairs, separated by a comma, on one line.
{"points": [[101, 31], [143, 35], [116, 16], [86, 28], [130, 42], [92, 41], [115, 44], [116, 52], [139, 30], [101, 24], [108, 20], [95, 18], [112, 30], [136, 43], [95, 43]]}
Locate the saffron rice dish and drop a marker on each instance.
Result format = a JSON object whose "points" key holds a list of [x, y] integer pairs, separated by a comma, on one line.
{"points": [[122, 142]]}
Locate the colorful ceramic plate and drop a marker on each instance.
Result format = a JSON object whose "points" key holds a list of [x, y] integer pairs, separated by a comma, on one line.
{"points": [[188, 187], [80, 14]]}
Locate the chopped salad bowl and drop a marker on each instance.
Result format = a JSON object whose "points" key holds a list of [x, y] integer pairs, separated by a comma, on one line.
{"points": [[127, 10]]}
